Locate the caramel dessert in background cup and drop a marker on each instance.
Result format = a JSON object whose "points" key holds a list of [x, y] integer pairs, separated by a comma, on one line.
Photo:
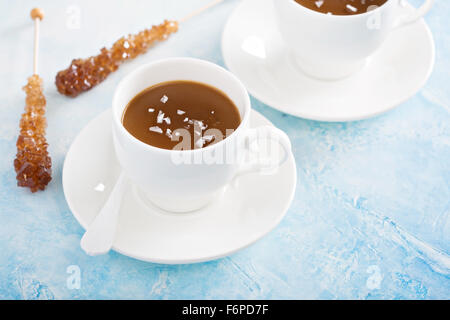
{"points": [[185, 180], [331, 47]]}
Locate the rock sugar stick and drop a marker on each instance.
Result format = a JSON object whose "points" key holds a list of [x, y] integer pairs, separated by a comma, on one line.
{"points": [[33, 164], [84, 74]]}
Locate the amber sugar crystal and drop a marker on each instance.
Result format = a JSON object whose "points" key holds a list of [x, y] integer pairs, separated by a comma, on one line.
{"points": [[33, 164], [84, 74]]}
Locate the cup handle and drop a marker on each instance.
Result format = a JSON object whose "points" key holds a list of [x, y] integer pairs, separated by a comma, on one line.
{"points": [[418, 13], [270, 133]]}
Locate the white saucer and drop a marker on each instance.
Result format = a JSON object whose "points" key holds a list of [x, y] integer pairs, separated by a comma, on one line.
{"points": [[254, 51], [244, 214]]}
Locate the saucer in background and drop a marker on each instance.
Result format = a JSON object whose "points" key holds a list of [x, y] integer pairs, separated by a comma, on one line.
{"points": [[254, 51]]}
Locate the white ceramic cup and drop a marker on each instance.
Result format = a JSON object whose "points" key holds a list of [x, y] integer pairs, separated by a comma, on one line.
{"points": [[330, 47], [186, 180]]}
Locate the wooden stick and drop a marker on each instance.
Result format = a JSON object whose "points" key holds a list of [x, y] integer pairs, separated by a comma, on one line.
{"points": [[37, 15], [200, 10]]}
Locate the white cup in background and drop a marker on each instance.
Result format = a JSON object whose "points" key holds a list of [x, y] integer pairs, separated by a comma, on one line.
{"points": [[182, 186], [331, 47]]}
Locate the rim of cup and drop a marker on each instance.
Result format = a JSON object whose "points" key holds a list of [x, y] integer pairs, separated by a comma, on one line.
{"points": [[334, 16], [118, 118]]}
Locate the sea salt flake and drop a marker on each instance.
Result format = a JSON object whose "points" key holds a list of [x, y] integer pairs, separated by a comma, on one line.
{"points": [[160, 117], [151, 110], [199, 143], [208, 138], [164, 99], [319, 3], [156, 129], [200, 124], [180, 112], [167, 120], [351, 8]]}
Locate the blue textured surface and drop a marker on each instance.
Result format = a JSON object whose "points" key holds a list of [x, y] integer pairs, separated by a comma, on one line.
{"points": [[370, 218]]}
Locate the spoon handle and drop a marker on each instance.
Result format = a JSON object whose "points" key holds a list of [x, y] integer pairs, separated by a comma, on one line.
{"points": [[99, 236]]}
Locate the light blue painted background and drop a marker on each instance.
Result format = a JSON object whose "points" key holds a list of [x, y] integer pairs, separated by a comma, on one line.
{"points": [[372, 196]]}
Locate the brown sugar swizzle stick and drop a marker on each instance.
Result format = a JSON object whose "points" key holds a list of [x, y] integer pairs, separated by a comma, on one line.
{"points": [[33, 164], [84, 74]]}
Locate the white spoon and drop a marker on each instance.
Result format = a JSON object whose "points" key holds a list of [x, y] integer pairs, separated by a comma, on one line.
{"points": [[99, 236]]}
